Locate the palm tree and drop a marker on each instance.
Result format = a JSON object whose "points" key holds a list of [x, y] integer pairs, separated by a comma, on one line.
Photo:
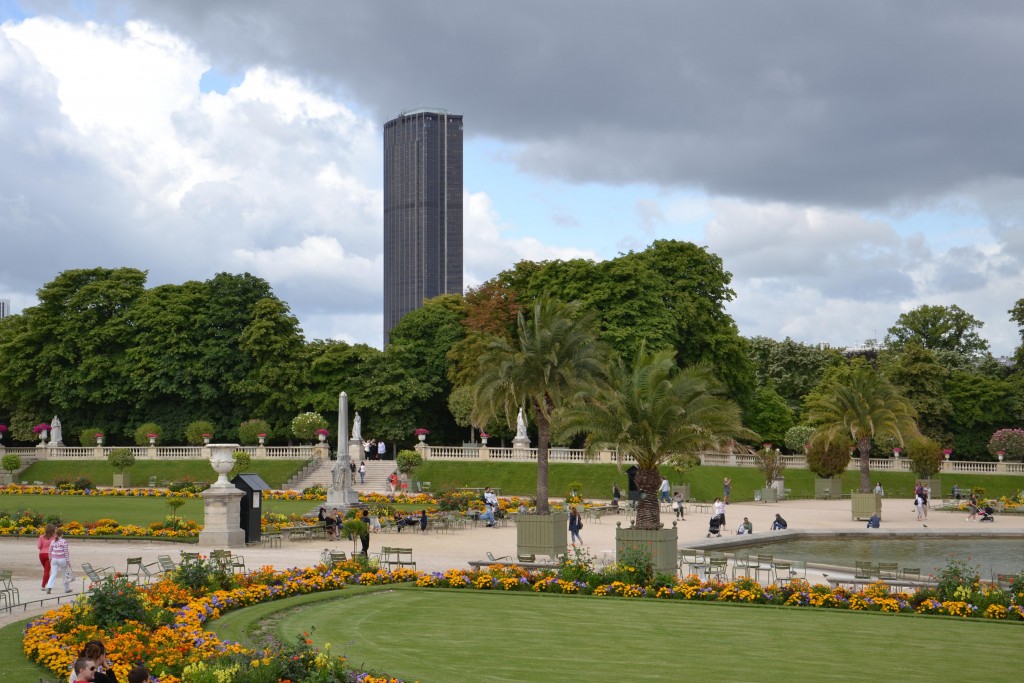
{"points": [[555, 354], [655, 413], [866, 407]]}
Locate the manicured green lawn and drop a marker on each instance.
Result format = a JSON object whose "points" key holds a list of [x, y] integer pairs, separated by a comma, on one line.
{"points": [[706, 482], [274, 472], [16, 667], [452, 636], [141, 511]]}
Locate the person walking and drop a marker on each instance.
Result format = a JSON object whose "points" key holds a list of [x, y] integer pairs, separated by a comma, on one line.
{"points": [[423, 521], [575, 524], [663, 496], [364, 537], [677, 504], [719, 507], [43, 544], [362, 472], [60, 561], [393, 482]]}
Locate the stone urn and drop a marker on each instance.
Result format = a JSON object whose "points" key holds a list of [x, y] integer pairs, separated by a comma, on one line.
{"points": [[222, 462]]}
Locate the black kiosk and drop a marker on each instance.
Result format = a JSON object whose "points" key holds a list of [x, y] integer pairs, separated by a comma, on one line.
{"points": [[251, 506]]}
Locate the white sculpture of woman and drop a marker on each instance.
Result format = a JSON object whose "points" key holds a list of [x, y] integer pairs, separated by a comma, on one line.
{"points": [[521, 425], [357, 428], [56, 436]]}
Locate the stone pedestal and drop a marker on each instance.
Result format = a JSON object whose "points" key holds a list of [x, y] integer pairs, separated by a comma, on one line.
{"points": [[521, 443], [222, 515]]}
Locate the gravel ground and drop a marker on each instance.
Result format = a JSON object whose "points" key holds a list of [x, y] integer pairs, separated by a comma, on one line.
{"points": [[434, 552]]}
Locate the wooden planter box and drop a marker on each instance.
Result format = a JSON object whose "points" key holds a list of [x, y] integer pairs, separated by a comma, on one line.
{"points": [[767, 495], [121, 480], [865, 504], [662, 544], [542, 534], [828, 489]]}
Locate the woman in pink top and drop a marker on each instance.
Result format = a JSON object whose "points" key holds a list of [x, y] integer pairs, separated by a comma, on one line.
{"points": [[44, 551], [60, 560]]}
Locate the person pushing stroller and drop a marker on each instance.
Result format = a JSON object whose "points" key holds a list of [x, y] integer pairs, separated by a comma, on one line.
{"points": [[715, 525]]}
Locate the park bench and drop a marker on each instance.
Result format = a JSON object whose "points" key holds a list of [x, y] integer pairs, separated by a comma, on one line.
{"points": [[396, 558]]}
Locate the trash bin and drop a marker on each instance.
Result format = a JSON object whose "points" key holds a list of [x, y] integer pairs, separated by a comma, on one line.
{"points": [[251, 508]]}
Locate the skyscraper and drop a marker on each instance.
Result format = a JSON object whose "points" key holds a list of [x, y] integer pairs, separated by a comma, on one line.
{"points": [[5, 308], [422, 210]]}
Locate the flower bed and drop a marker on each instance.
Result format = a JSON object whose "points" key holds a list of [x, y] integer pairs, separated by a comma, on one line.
{"points": [[172, 641]]}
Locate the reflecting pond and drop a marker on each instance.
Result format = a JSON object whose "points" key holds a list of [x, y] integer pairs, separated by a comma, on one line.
{"points": [[992, 555]]}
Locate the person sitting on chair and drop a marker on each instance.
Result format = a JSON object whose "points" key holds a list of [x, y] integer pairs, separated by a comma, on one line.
{"points": [[745, 528], [779, 523]]}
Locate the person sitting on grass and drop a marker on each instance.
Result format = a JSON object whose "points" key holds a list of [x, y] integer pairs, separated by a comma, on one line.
{"points": [[779, 523]]}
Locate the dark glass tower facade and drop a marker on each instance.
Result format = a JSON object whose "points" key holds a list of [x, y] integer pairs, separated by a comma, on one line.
{"points": [[422, 211]]}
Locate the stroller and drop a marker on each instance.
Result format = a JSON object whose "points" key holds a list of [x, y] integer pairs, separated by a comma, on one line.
{"points": [[715, 526], [986, 514]]}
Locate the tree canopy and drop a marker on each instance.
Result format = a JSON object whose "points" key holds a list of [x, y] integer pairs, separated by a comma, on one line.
{"points": [[938, 328]]}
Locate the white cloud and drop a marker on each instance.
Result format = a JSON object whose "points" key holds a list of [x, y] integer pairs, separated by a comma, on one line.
{"points": [[490, 246]]}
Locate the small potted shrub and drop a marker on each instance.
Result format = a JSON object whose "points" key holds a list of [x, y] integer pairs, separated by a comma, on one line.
{"points": [[10, 462], [121, 459]]}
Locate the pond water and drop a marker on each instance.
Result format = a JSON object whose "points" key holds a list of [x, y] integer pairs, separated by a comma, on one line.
{"points": [[991, 555]]}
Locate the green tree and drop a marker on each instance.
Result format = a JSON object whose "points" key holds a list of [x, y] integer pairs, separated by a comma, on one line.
{"points": [[1017, 316], [272, 342], [555, 354], [64, 355], [769, 415], [981, 404], [827, 457], [938, 328], [120, 459], [864, 408], [922, 379], [798, 437], [791, 368], [670, 295], [658, 414]]}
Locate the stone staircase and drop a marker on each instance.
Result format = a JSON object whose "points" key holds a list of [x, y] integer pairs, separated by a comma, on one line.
{"points": [[377, 473]]}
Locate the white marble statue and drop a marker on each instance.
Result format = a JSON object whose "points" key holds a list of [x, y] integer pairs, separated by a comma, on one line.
{"points": [[56, 437], [357, 428], [521, 425]]}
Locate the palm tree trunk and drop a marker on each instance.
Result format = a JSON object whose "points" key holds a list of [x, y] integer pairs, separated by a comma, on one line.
{"points": [[543, 441], [864, 447], [648, 512]]}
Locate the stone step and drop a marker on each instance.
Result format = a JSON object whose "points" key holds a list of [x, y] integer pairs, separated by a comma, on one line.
{"points": [[377, 473]]}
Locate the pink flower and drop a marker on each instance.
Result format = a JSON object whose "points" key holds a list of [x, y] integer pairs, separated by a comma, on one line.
{"points": [[323, 431], [152, 436], [420, 431]]}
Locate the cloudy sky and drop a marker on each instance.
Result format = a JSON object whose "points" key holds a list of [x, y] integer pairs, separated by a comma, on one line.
{"points": [[848, 161]]}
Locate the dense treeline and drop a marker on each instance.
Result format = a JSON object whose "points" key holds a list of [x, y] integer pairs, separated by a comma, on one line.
{"points": [[101, 350]]}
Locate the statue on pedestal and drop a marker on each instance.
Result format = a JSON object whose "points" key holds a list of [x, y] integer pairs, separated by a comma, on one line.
{"points": [[357, 428], [56, 435], [521, 425]]}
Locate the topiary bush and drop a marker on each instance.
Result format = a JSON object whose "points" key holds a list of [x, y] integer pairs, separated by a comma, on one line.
{"points": [[408, 461], [195, 430], [305, 425], [798, 437], [121, 458], [250, 430], [828, 459], [1010, 442], [925, 456], [142, 432], [11, 462], [87, 437]]}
